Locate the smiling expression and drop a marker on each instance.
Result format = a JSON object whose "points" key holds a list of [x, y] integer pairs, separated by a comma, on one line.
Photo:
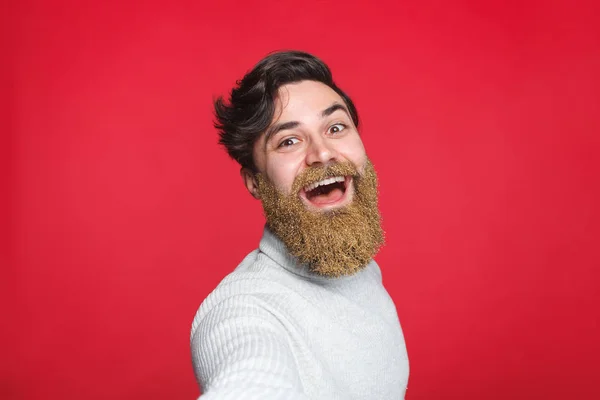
{"points": [[311, 128]]}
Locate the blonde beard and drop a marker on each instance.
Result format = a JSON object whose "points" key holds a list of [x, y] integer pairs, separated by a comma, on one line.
{"points": [[331, 243]]}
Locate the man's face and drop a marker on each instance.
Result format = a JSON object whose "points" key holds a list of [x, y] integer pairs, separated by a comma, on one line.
{"points": [[316, 185], [311, 127]]}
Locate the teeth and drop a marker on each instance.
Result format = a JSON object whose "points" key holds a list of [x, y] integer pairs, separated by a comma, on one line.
{"points": [[324, 182]]}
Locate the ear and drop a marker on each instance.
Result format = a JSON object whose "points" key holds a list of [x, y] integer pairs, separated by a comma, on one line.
{"points": [[250, 181]]}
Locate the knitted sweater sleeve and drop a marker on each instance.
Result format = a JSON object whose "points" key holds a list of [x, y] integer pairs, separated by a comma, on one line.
{"points": [[240, 351]]}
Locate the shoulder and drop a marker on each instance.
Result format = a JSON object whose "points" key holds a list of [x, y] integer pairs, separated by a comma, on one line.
{"points": [[255, 279], [238, 340]]}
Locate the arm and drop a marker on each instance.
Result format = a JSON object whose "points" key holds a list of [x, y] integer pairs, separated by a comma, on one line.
{"points": [[240, 351]]}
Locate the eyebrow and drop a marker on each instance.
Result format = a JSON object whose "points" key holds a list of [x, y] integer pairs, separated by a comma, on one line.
{"points": [[293, 124], [333, 108], [278, 128]]}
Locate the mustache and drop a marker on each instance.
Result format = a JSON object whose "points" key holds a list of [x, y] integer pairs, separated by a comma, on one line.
{"points": [[318, 173]]}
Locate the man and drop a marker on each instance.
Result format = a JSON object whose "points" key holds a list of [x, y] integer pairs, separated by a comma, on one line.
{"points": [[305, 316]]}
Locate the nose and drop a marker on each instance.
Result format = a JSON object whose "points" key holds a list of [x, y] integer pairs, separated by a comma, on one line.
{"points": [[320, 151]]}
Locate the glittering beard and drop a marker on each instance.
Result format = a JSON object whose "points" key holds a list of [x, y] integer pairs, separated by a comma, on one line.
{"points": [[331, 243]]}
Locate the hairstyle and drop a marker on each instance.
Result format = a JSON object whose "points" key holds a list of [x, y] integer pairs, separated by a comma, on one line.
{"points": [[251, 106]]}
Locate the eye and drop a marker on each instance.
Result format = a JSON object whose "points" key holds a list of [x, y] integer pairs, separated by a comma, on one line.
{"points": [[336, 128], [288, 142]]}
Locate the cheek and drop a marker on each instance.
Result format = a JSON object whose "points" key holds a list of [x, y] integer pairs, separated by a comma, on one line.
{"points": [[282, 173], [354, 151]]}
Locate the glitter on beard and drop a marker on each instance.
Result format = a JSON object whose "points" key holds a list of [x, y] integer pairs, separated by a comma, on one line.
{"points": [[332, 243]]}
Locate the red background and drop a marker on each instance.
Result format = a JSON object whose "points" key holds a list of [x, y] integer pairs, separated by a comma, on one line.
{"points": [[122, 213]]}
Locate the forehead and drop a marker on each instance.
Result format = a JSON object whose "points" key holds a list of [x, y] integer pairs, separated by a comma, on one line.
{"points": [[303, 99]]}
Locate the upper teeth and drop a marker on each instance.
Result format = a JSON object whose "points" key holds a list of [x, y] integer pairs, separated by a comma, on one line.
{"points": [[324, 182]]}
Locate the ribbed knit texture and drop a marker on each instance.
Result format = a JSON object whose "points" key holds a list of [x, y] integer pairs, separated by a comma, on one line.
{"points": [[274, 330]]}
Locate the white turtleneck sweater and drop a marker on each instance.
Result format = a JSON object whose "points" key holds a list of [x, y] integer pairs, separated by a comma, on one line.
{"points": [[274, 330]]}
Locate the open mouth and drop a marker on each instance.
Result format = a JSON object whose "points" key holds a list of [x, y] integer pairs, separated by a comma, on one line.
{"points": [[327, 193]]}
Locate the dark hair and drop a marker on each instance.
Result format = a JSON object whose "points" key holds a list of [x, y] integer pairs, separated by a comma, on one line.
{"points": [[252, 103]]}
